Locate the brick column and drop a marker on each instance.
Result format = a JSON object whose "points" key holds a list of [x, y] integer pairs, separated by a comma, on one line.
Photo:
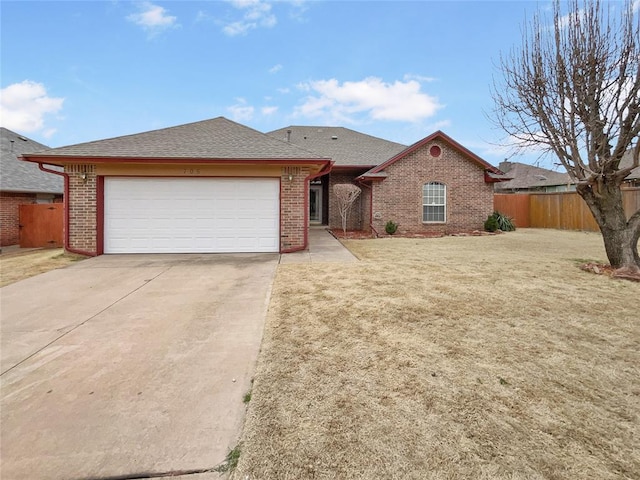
{"points": [[293, 218], [82, 203]]}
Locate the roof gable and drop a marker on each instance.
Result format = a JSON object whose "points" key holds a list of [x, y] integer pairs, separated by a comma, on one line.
{"points": [[217, 138], [438, 135], [20, 176], [344, 146]]}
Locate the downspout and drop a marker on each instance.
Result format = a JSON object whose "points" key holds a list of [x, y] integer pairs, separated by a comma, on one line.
{"points": [[66, 211]]}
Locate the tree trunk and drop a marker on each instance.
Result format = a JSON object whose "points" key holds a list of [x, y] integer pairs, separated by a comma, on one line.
{"points": [[620, 236]]}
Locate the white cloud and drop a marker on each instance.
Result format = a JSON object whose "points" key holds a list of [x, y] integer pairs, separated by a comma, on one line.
{"points": [[508, 147], [420, 78], [241, 112], [257, 13], [203, 16], [298, 9], [153, 18], [275, 68], [24, 105], [398, 101], [269, 110]]}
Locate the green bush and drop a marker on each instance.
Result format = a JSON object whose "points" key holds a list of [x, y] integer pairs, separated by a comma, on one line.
{"points": [[498, 221], [391, 227], [504, 223], [491, 224]]}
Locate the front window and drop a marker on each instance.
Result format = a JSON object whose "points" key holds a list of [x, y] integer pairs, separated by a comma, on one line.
{"points": [[434, 202]]}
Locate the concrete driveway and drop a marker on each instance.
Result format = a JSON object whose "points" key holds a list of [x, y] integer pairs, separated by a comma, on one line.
{"points": [[129, 364]]}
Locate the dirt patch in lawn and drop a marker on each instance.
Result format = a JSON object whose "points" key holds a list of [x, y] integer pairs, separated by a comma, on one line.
{"points": [[18, 265], [458, 357]]}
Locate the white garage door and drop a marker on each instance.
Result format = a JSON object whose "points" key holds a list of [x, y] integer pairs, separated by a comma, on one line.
{"points": [[191, 215]]}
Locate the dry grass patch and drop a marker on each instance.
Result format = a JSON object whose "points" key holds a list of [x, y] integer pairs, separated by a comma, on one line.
{"points": [[471, 357], [20, 265]]}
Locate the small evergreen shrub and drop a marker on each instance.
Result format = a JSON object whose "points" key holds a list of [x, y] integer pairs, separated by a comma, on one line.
{"points": [[391, 227], [491, 224]]}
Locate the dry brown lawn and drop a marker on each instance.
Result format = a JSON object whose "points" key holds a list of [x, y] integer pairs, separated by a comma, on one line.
{"points": [[449, 358], [24, 264]]}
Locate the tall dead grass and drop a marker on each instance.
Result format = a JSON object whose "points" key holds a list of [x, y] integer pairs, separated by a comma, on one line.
{"points": [[471, 357]]}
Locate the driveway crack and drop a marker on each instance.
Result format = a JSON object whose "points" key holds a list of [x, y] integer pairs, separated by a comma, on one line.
{"points": [[146, 282]]}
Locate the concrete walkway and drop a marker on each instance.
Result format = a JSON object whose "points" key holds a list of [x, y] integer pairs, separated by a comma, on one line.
{"points": [[323, 248]]}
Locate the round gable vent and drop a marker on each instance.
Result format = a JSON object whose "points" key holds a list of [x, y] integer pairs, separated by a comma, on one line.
{"points": [[435, 151]]}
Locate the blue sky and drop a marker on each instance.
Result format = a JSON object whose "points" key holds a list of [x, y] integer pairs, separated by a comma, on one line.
{"points": [[87, 70]]}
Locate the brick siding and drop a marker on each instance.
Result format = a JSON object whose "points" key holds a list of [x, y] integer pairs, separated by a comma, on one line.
{"points": [[355, 217], [292, 207], [399, 196], [9, 216], [82, 208]]}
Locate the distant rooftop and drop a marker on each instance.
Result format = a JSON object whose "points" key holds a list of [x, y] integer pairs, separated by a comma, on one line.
{"points": [[525, 176], [346, 147], [19, 176]]}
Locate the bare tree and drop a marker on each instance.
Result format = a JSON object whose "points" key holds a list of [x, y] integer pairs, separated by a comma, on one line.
{"points": [[347, 194], [573, 90]]}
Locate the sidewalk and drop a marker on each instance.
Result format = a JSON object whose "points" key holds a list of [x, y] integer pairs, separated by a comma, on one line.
{"points": [[323, 248]]}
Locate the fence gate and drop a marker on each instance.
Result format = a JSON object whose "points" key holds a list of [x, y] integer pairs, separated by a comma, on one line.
{"points": [[41, 225]]}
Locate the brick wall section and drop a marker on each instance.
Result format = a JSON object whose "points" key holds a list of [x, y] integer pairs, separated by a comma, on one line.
{"points": [[292, 207], [365, 202], [82, 208], [355, 218], [399, 196], [9, 216]]}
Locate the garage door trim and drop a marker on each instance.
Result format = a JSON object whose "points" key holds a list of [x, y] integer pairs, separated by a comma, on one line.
{"points": [[103, 208]]}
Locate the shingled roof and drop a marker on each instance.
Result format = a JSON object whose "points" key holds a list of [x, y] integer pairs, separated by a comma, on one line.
{"points": [[346, 147], [525, 176], [17, 176], [218, 138], [627, 161]]}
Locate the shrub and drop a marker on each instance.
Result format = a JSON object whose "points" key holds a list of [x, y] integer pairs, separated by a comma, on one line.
{"points": [[498, 221], [391, 227], [504, 223], [491, 224]]}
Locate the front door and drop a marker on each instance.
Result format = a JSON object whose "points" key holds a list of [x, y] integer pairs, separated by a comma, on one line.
{"points": [[315, 204]]}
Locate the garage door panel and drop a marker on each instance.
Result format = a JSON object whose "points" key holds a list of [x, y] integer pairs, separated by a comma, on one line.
{"points": [[169, 215]]}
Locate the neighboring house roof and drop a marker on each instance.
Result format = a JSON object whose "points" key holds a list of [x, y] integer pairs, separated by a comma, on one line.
{"points": [[346, 147], [493, 174], [17, 176], [525, 177], [627, 161], [215, 139]]}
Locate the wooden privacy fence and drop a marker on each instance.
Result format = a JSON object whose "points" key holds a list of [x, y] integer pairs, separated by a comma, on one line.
{"points": [[562, 210], [41, 225]]}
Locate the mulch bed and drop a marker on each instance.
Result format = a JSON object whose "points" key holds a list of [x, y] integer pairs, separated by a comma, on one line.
{"points": [[609, 271], [362, 235]]}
